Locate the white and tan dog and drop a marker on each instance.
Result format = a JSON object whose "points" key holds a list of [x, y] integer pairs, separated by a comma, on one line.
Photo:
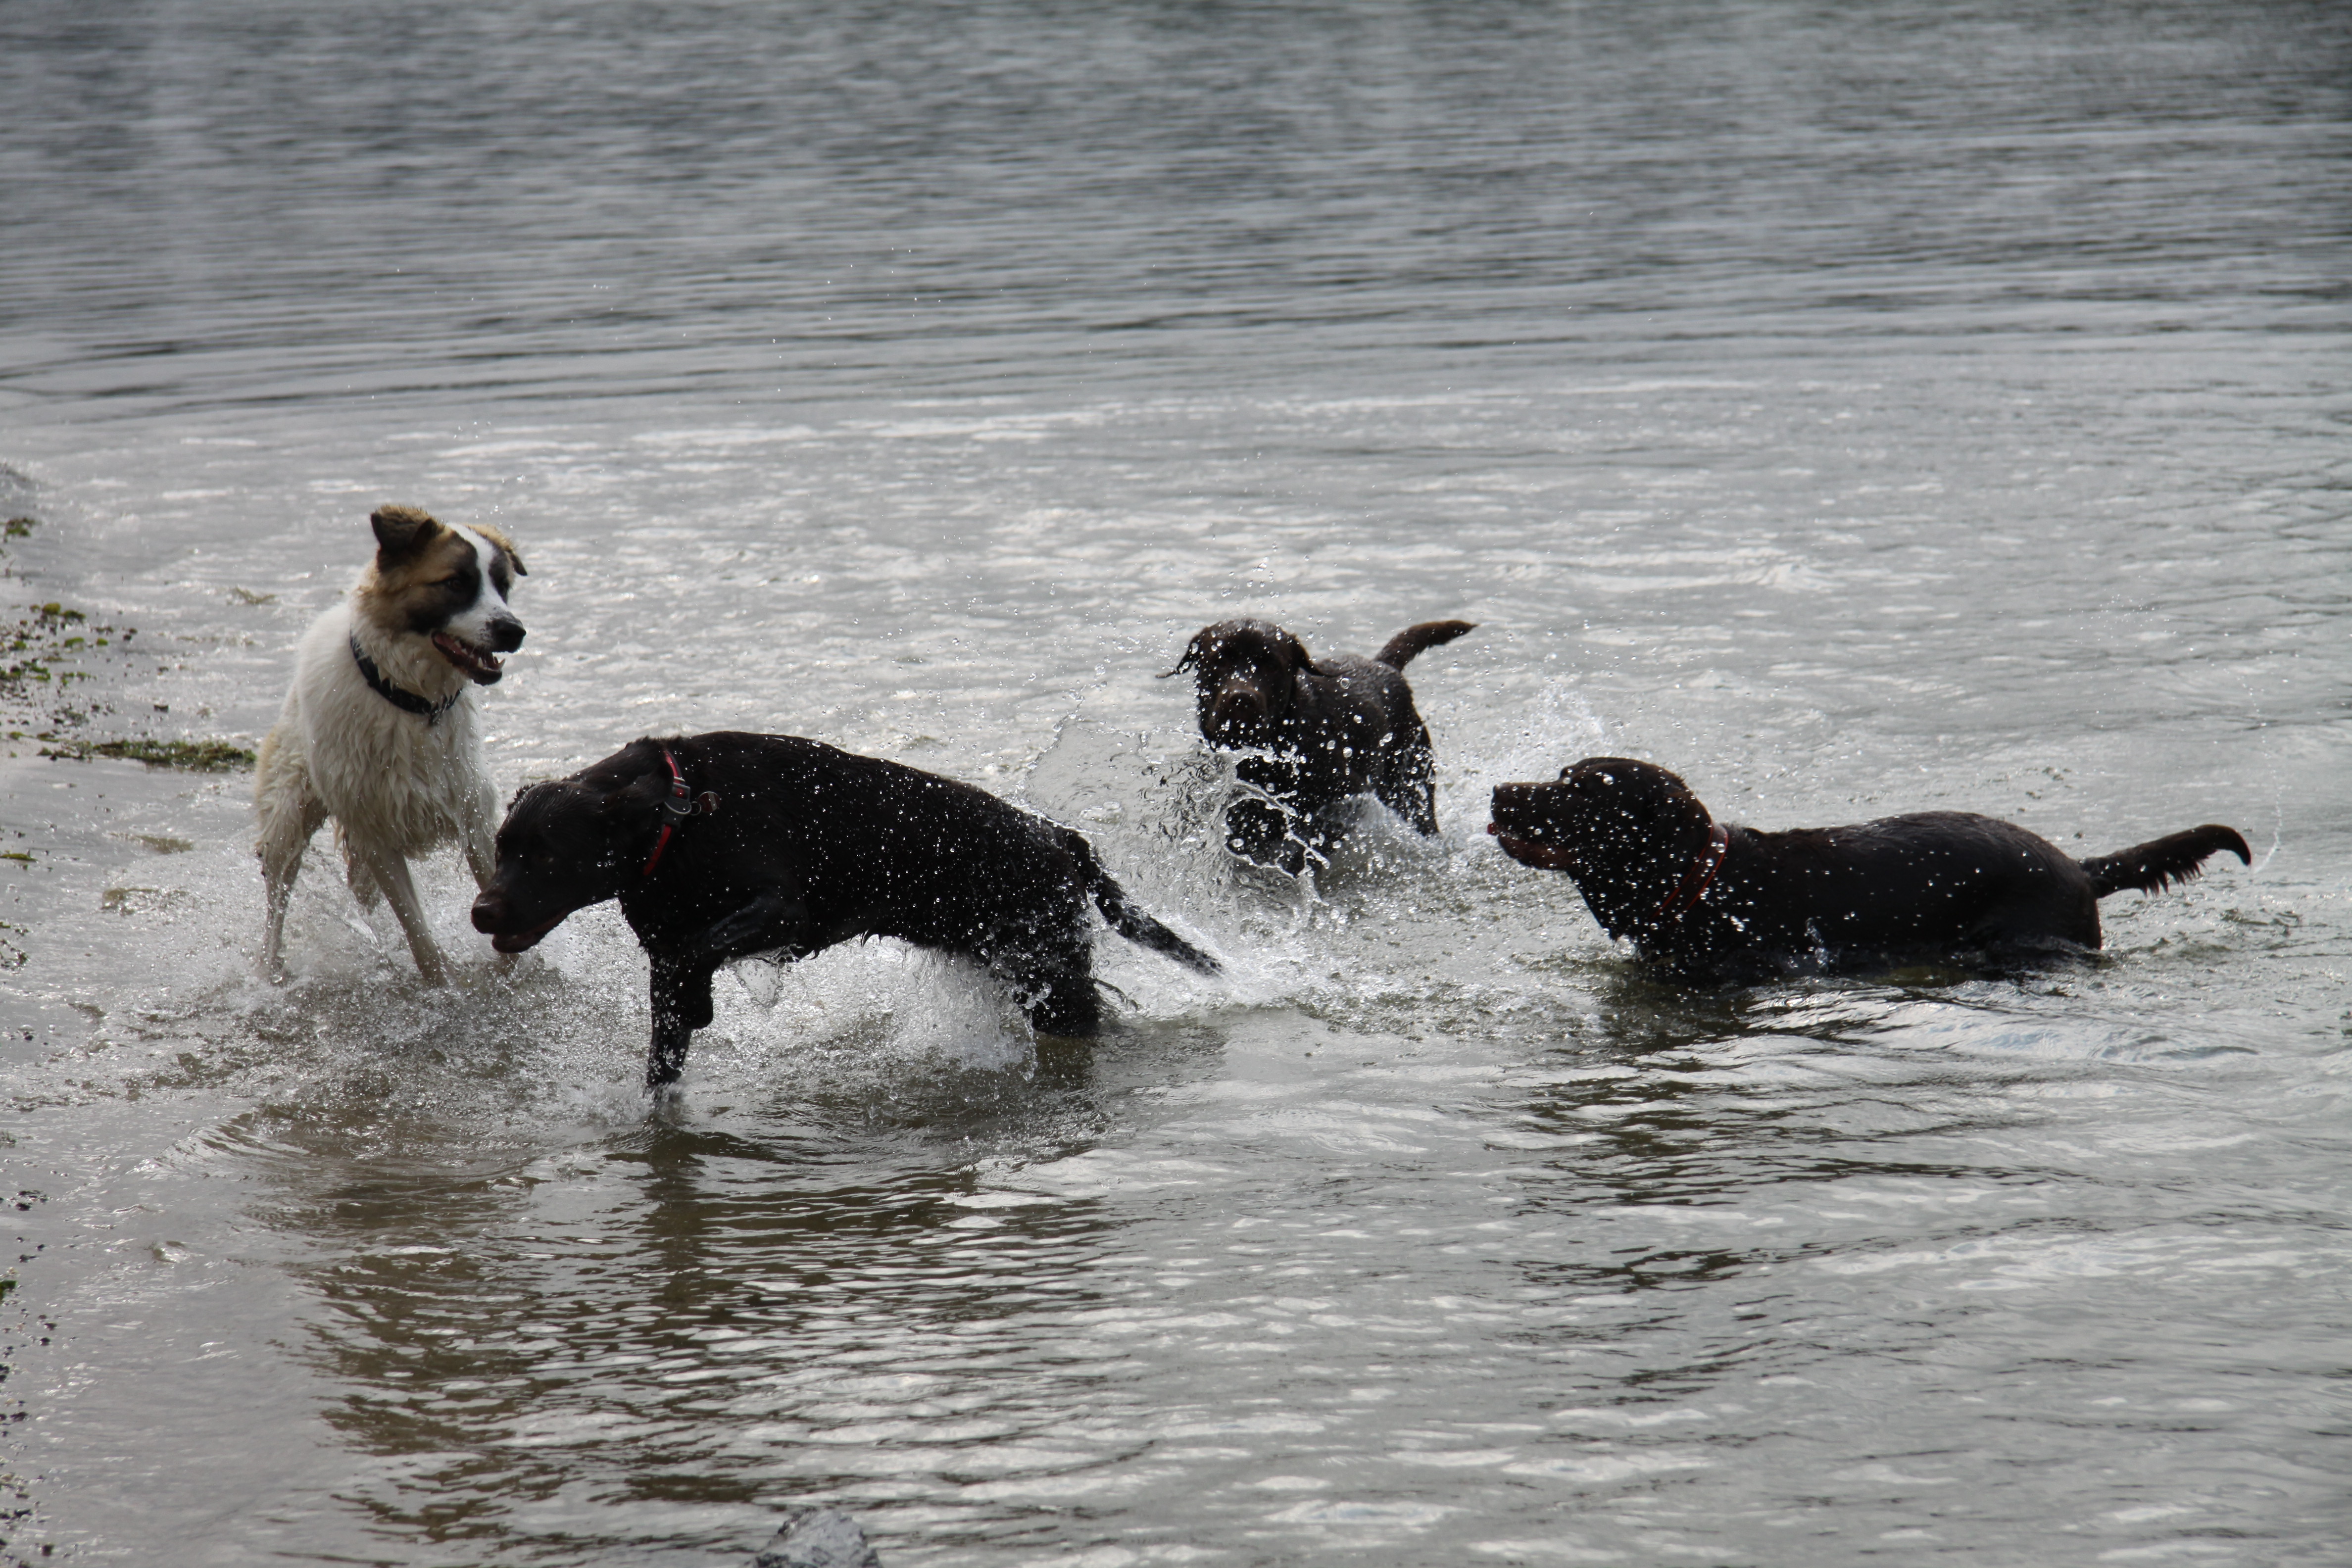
{"points": [[379, 731]]}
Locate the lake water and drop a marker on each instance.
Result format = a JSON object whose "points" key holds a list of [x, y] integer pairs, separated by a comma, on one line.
{"points": [[1855, 409]]}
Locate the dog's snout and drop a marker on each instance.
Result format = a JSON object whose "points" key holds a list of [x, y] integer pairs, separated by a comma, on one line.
{"points": [[506, 634], [1238, 707], [489, 912], [1518, 808]]}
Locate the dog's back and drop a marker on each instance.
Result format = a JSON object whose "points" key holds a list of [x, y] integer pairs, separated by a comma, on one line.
{"points": [[1919, 882], [874, 846], [1373, 692]]}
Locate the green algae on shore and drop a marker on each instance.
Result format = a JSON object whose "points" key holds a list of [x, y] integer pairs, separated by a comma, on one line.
{"points": [[197, 756]]}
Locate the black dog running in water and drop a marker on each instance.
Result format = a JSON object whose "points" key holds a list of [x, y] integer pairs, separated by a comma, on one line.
{"points": [[1707, 903], [1323, 731], [730, 845]]}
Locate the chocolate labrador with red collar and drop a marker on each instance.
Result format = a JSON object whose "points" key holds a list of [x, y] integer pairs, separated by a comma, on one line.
{"points": [[1321, 732], [1711, 904], [730, 845]]}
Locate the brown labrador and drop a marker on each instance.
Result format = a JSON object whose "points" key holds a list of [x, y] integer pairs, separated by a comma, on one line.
{"points": [[1706, 902], [1319, 732]]}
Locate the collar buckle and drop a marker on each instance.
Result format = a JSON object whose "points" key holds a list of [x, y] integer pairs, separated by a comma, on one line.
{"points": [[680, 804]]}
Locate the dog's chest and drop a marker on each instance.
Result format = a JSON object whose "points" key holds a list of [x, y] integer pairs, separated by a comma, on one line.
{"points": [[392, 775]]}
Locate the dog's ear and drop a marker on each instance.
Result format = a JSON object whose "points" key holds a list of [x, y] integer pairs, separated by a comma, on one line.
{"points": [[640, 796], [401, 530], [1194, 651], [506, 547], [529, 788], [1294, 653]]}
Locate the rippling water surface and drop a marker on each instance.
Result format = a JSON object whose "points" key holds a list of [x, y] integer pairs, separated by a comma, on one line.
{"points": [[1856, 409]]}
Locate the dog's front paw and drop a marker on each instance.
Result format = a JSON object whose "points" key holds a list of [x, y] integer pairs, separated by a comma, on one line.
{"points": [[1258, 831]]}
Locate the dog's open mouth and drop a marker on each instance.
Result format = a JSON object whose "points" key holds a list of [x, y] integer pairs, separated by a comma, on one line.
{"points": [[524, 940], [1532, 851], [479, 664]]}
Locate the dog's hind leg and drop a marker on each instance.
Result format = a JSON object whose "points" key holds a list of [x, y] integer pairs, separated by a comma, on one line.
{"points": [[1067, 1005], [1052, 975], [289, 814], [389, 870], [1047, 959]]}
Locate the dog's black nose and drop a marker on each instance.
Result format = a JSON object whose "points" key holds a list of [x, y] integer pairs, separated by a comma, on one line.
{"points": [[506, 634], [1237, 709], [490, 910]]}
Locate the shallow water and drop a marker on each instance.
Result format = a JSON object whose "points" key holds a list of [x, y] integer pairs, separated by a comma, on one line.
{"points": [[1942, 408]]}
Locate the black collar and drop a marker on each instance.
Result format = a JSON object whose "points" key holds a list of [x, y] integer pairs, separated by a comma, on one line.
{"points": [[405, 701]]}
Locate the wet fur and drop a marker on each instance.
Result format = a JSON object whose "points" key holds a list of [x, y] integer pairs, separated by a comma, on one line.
{"points": [[1931, 885], [1321, 733], [793, 846], [394, 785]]}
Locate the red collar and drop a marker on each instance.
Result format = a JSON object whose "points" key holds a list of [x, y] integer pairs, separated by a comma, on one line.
{"points": [[676, 808], [1701, 875]]}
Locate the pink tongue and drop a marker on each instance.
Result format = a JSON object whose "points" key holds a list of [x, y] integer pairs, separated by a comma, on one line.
{"points": [[460, 653]]}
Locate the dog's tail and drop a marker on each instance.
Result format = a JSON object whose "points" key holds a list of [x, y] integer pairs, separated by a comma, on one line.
{"points": [[2161, 862], [1126, 919], [1419, 639]]}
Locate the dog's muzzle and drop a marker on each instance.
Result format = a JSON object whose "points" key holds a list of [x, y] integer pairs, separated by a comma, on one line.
{"points": [[492, 916], [481, 664], [1518, 825], [1238, 716]]}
